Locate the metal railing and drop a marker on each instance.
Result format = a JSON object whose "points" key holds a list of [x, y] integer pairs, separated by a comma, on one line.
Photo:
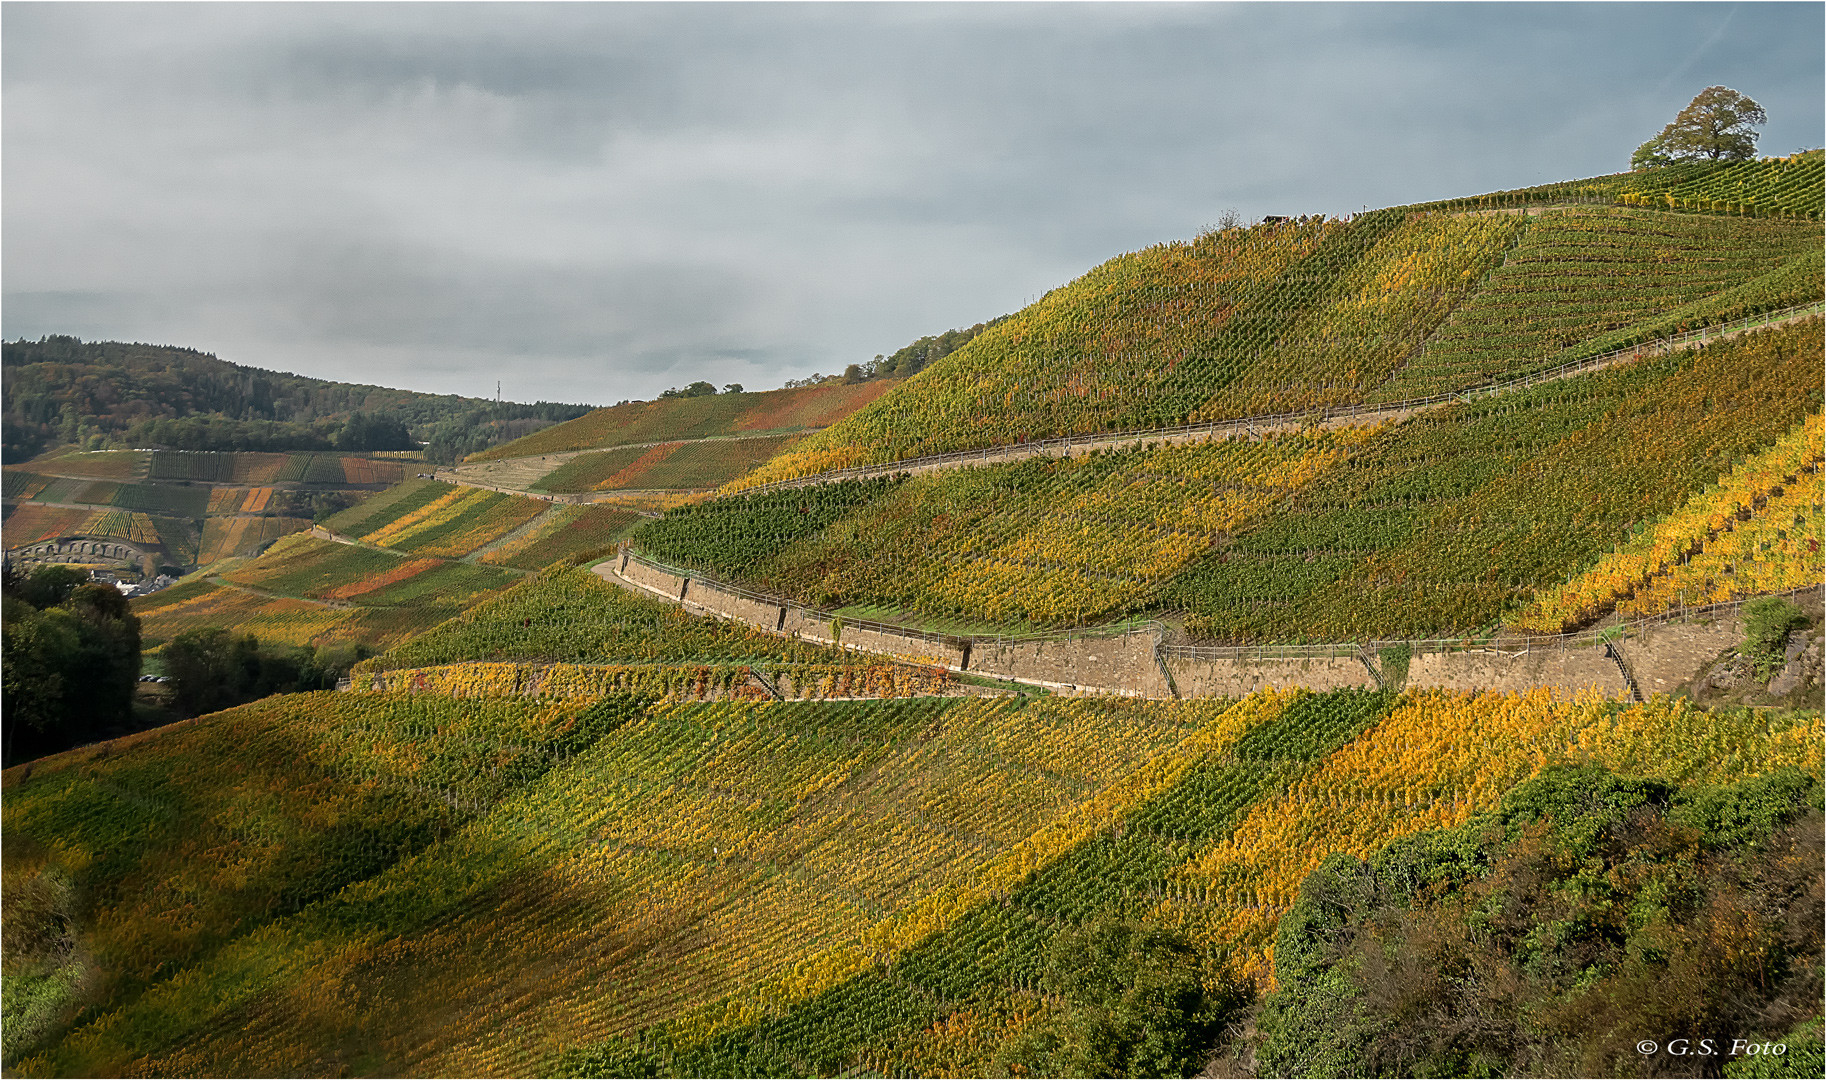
{"points": [[1321, 415]]}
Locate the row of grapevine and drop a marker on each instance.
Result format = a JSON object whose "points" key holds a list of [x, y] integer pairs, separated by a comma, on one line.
{"points": [[1793, 186], [1041, 542], [691, 682], [1438, 758], [1220, 853], [1455, 519], [568, 532], [1442, 524], [378, 509], [1290, 316], [265, 468], [98, 465], [674, 857], [1776, 490], [151, 498], [1578, 275], [235, 537], [457, 522], [1778, 550], [182, 841], [572, 616]]}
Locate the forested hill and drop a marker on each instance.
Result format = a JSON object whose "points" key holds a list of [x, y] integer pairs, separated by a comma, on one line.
{"points": [[106, 394]]}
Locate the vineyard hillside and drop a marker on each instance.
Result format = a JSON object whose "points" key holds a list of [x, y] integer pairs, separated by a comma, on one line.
{"points": [[186, 509], [1296, 315], [554, 824], [1446, 522], [403, 884], [713, 415], [398, 563]]}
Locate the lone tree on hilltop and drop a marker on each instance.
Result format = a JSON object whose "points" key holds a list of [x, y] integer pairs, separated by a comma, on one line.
{"points": [[1719, 124]]}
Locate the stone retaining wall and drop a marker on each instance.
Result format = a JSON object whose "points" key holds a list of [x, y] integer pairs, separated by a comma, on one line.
{"points": [[1665, 658], [1662, 657], [659, 581], [916, 650], [1111, 665], [730, 605], [1567, 670], [1237, 678]]}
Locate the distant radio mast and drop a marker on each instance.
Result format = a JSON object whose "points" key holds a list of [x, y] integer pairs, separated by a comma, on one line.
{"points": [[497, 391]]}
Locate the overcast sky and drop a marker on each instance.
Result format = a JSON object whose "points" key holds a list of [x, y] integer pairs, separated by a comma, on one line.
{"points": [[592, 202]]}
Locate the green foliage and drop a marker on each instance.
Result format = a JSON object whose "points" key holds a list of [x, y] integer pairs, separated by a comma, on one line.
{"points": [[672, 419], [378, 431], [1767, 623], [1136, 1006], [1719, 124], [1449, 520], [1802, 1055], [1292, 316], [212, 668], [378, 509], [1395, 660], [1589, 912], [71, 660], [734, 535], [62, 389]]}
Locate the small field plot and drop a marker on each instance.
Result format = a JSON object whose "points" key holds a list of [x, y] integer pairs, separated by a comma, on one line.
{"points": [[586, 471], [385, 506], [458, 522], [302, 565], [696, 418], [568, 531], [99, 465]]}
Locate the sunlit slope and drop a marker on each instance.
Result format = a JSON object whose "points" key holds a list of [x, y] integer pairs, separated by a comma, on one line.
{"points": [[672, 465], [1295, 315], [671, 419], [1042, 542], [1458, 517], [1759, 529], [610, 868], [1443, 523], [1219, 853]]}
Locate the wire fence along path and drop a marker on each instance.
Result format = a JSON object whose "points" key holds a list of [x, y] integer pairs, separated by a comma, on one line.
{"points": [[1258, 426]]}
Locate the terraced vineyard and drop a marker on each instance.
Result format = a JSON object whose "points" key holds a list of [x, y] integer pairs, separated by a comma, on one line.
{"points": [[689, 465], [1292, 316], [201, 508], [693, 889], [1363, 533], [565, 533], [1778, 187], [573, 616], [561, 828], [673, 419]]}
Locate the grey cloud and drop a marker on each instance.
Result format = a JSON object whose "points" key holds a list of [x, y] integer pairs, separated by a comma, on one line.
{"points": [[608, 199]]}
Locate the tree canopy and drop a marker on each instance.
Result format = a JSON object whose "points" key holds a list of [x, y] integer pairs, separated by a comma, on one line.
{"points": [[1719, 124]]}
